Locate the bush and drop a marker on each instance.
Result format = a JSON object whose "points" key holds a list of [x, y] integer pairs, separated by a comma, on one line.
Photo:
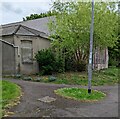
{"points": [[46, 60], [59, 65], [51, 78], [74, 65], [51, 62], [27, 78], [112, 62], [38, 79], [80, 66], [18, 76], [69, 64]]}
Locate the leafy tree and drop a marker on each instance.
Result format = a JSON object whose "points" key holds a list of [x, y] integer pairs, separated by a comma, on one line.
{"points": [[114, 52], [41, 15], [71, 29]]}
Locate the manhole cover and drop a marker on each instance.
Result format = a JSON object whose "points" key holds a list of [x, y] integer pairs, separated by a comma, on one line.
{"points": [[47, 99]]}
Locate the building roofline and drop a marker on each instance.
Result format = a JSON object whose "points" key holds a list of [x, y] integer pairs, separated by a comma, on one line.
{"points": [[20, 22], [32, 29], [32, 36], [16, 30], [28, 29]]}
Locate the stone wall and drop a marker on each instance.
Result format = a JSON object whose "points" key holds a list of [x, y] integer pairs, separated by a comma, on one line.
{"points": [[38, 43], [9, 39]]}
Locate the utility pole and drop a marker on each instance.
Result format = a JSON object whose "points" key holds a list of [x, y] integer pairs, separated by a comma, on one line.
{"points": [[91, 50]]}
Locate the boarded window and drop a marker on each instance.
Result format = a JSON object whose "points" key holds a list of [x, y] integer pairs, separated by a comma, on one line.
{"points": [[26, 52]]}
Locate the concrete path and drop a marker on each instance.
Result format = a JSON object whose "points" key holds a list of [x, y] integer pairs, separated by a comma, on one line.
{"points": [[61, 107]]}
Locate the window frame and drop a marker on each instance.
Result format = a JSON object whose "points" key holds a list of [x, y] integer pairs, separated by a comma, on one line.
{"points": [[26, 47]]}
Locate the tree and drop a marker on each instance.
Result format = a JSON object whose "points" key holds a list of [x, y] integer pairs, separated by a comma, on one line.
{"points": [[71, 29], [114, 52], [41, 15]]}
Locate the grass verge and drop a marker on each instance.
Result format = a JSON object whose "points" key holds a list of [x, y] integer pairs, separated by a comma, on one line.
{"points": [[103, 77], [80, 94], [10, 95], [99, 78]]}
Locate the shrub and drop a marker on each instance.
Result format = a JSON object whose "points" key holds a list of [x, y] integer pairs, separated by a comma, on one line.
{"points": [[51, 78], [80, 66], [51, 62], [27, 78], [46, 60], [59, 65], [69, 64], [18, 76], [38, 79]]}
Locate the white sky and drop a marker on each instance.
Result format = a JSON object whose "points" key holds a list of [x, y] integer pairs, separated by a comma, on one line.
{"points": [[12, 11]]}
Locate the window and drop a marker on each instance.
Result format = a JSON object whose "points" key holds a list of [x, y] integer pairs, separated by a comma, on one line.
{"points": [[26, 51]]}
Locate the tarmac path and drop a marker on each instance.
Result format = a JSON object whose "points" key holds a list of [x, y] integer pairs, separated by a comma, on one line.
{"points": [[30, 106]]}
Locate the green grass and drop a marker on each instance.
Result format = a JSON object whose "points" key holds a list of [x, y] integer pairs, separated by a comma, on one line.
{"points": [[103, 77], [10, 94], [80, 94]]}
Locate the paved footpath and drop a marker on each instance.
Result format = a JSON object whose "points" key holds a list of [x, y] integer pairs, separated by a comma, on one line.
{"points": [[61, 107]]}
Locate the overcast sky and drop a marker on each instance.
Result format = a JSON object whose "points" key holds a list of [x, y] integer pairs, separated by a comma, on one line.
{"points": [[11, 11]]}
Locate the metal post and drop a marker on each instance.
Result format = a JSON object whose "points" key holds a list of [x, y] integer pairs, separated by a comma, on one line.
{"points": [[91, 52]]}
